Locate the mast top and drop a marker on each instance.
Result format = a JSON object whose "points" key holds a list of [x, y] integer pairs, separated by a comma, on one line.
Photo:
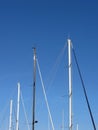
{"points": [[69, 40], [34, 57], [70, 43]]}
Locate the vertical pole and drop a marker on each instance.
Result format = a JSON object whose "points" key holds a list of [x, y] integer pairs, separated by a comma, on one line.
{"points": [[18, 102], [10, 119], [70, 84], [77, 127], [34, 87]]}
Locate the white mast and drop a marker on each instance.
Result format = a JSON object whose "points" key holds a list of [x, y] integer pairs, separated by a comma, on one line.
{"points": [[70, 84], [77, 127], [18, 101], [10, 118]]}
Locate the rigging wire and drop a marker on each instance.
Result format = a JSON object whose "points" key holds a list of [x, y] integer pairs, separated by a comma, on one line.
{"points": [[45, 95], [4, 114], [55, 67], [84, 89], [27, 122], [14, 113], [4, 110]]}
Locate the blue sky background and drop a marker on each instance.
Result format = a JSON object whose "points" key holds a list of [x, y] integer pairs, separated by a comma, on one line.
{"points": [[47, 25]]}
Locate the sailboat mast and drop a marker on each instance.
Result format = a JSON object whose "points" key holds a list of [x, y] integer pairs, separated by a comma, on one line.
{"points": [[77, 127], [18, 105], [70, 83], [10, 119], [34, 87]]}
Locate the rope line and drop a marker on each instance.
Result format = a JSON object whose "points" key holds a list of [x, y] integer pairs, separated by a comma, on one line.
{"points": [[54, 70], [45, 95], [27, 122], [85, 93]]}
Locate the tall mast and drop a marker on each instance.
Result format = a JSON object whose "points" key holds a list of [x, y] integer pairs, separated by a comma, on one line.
{"points": [[10, 119], [70, 83], [34, 88], [18, 103], [77, 127]]}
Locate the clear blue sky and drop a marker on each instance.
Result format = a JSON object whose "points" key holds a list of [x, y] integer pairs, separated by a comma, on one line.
{"points": [[47, 24]]}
